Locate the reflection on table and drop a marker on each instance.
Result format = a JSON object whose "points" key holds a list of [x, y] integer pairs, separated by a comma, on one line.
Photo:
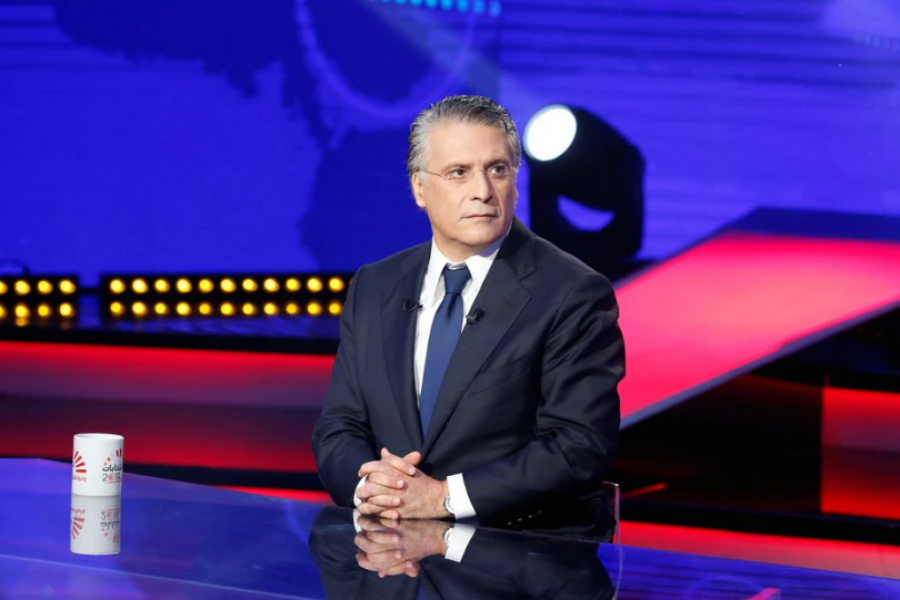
{"points": [[186, 541]]}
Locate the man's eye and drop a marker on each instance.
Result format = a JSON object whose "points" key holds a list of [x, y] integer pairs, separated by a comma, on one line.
{"points": [[456, 174], [500, 170]]}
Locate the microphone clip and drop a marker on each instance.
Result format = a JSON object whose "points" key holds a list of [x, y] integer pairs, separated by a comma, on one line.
{"points": [[473, 317]]}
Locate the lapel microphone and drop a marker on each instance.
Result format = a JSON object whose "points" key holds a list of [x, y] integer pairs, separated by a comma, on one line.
{"points": [[474, 316], [410, 306]]}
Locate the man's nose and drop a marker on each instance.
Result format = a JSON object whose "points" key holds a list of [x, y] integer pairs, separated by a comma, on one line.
{"points": [[482, 186]]}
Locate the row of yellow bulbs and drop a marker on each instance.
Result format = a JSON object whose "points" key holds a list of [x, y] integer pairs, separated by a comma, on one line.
{"points": [[227, 309], [43, 287], [226, 285], [23, 311]]}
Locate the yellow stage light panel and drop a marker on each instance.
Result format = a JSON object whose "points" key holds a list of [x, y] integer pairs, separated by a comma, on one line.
{"points": [[292, 308], [227, 309], [44, 287], [270, 285], [44, 311], [161, 308], [183, 286], [205, 285], [2, 312], [336, 284], [139, 309], [22, 311], [162, 286], [117, 286], [117, 309], [293, 284], [314, 308], [248, 309], [249, 285], [66, 310], [139, 286], [227, 285], [314, 284], [67, 287], [22, 287], [205, 309], [334, 309], [270, 309]]}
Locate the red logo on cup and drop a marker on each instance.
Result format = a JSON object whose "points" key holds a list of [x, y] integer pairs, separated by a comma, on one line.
{"points": [[78, 463], [77, 524]]}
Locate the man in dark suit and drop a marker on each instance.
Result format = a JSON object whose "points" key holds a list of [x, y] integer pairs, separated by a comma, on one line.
{"points": [[477, 374]]}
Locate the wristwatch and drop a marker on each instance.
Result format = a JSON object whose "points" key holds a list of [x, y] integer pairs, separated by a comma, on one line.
{"points": [[447, 505]]}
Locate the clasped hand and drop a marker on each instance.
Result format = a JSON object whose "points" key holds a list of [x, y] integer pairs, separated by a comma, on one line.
{"points": [[397, 489], [389, 547]]}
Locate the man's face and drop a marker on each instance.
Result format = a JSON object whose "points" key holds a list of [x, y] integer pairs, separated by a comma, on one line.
{"points": [[470, 190]]}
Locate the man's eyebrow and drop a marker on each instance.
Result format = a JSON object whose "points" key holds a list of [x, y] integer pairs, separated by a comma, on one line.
{"points": [[456, 165], [500, 160]]}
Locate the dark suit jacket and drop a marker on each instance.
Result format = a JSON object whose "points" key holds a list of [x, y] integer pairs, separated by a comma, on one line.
{"points": [[528, 410], [496, 564]]}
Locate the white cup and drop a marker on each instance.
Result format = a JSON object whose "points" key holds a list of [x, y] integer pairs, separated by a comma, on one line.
{"points": [[97, 464], [96, 525]]}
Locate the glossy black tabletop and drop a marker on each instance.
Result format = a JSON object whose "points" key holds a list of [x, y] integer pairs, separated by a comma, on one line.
{"points": [[186, 541]]}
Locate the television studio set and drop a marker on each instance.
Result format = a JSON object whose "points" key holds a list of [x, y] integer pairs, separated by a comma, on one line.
{"points": [[439, 299]]}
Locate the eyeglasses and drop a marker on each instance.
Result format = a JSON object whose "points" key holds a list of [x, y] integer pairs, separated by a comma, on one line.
{"points": [[499, 172]]}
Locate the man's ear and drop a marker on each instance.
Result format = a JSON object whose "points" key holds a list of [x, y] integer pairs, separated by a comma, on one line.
{"points": [[417, 185]]}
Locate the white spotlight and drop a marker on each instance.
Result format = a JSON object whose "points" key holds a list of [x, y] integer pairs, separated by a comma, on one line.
{"points": [[550, 132]]}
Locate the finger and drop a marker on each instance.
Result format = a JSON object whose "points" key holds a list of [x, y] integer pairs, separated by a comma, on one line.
{"points": [[373, 549], [372, 510], [384, 537], [398, 569], [413, 458], [397, 462], [388, 523], [385, 558], [372, 464], [368, 491], [378, 511], [382, 466], [392, 481], [384, 501]]}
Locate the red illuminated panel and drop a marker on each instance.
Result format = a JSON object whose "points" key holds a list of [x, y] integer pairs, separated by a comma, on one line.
{"points": [[741, 299], [163, 374], [848, 557], [304, 496], [188, 408], [861, 453]]}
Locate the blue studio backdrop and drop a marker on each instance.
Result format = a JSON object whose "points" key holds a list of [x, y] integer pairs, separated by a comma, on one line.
{"points": [[270, 135]]}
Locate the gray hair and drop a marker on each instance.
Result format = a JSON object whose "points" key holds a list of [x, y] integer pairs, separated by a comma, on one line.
{"points": [[478, 110]]}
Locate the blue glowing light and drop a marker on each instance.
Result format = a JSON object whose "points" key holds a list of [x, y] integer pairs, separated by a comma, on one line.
{"points": [[480, 7]]}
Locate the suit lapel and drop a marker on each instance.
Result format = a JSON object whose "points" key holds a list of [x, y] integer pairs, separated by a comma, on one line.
{"points": [[502, 297], [398, 332]]}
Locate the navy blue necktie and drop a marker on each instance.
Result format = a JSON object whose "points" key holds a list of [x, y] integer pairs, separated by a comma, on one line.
{"points": [[445, 332]]}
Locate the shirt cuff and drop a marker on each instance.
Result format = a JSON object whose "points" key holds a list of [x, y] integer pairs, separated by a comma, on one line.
{"points": [[459, 497], [356, 516], [362, 482], [459, 537]]}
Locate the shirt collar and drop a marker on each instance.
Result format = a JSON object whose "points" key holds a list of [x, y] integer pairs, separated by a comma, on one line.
{"points": [[478, 265]]}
